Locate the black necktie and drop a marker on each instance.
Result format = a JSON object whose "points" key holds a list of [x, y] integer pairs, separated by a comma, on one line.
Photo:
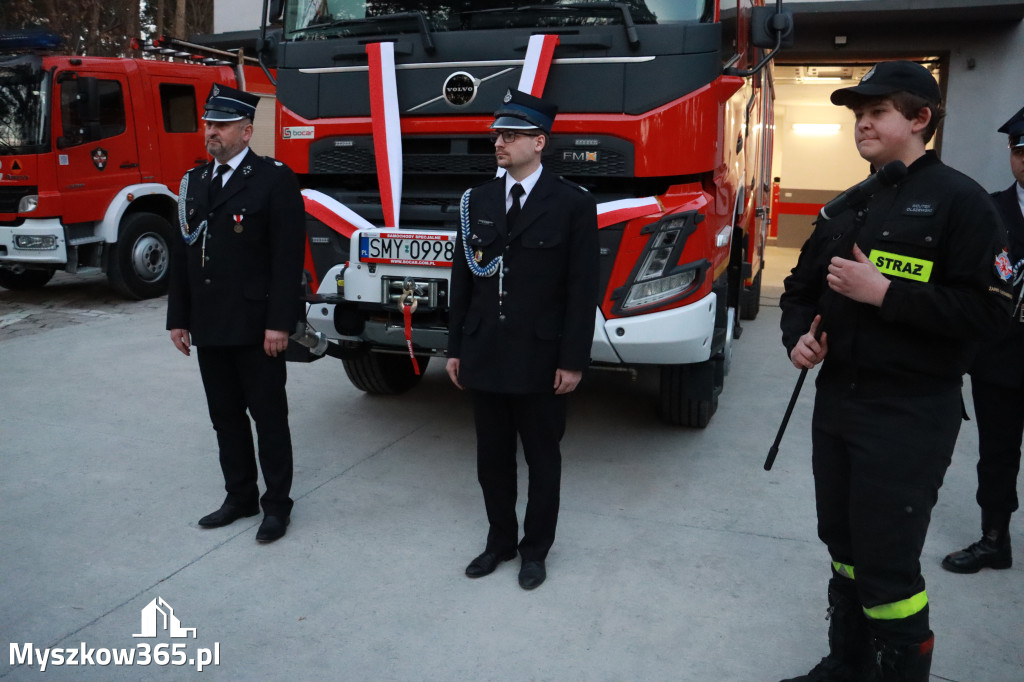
{"points": [[510, 218], [218, 181]]}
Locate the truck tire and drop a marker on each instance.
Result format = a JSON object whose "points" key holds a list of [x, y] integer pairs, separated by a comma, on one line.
{"points": [[384, 373], [750, 299], [138, 264], [23, 280], [689, 393]]}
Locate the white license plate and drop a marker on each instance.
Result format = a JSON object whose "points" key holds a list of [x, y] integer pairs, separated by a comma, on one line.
{"points": [[407, 248]]}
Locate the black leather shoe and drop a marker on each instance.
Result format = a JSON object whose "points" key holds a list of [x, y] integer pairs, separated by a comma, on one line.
{"points": [[982, 554], [228, 513], [532, 574], [486, 563], [272, 528]]}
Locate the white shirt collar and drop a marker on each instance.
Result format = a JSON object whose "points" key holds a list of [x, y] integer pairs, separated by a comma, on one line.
{"points": [[528, 183], [1020, 197], [232, 164]]}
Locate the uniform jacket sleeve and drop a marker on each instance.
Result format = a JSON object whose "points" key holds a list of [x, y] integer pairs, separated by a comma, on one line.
{"points": [[582, 296], [287, 237]]}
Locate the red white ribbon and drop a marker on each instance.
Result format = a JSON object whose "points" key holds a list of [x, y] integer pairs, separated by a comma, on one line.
{"points": [[407, 313], [334, 215], [387, 131], [613, 212], [539, 53]]}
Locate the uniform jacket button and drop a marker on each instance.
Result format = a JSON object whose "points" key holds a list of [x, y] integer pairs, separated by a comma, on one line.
{"points": [[501, 317], [206, 281]]}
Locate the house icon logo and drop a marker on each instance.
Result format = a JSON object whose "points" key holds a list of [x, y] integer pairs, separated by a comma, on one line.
{"points": [[158, 614]]}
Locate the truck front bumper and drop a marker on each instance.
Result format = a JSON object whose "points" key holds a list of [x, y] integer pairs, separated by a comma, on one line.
{"points": [[34, 242], [671, 337]]}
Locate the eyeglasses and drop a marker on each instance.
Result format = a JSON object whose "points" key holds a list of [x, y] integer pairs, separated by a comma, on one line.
{"points": [[509, 136]]}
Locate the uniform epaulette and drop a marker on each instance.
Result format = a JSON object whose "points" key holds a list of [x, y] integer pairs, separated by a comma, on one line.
{"points": [[573, 184], [272, 160], [496, 177]]}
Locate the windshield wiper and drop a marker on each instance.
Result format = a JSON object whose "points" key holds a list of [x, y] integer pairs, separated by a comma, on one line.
{"points": [[596, 9], [421, 19]]}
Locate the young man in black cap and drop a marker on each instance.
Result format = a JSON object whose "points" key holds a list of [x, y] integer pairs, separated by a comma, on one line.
{"points": [[892, 295], [997, 385], [524, 290], [235, 292]]}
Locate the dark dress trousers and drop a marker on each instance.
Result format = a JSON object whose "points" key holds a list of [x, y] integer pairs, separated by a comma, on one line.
{"points": [[997, 385], [227, 290], [512, 331]]}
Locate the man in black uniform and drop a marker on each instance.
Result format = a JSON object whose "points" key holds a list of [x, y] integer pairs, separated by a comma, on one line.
{"points": [[524, 290], [997, 385], [892, 296], [235, 288]]}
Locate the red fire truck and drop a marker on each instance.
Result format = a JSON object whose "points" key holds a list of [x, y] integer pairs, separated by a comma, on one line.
{"points": [[91, 153], [665, 115]]}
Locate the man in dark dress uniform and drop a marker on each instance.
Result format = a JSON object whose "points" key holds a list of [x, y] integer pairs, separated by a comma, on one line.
{"points": [[997, 385], [235, 288], [524, 289]]}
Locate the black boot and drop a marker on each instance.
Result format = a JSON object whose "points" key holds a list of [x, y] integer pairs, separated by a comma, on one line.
{"points": [[850, 657], [992, 551], [904, 662]]}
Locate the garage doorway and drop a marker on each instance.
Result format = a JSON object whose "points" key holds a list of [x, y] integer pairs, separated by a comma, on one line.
{"points": [[815, 156]]}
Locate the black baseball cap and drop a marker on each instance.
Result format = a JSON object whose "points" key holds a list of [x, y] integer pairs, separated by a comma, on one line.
{"points": [[228, 104], [886, 78], [1015, 129], [521, 111]]}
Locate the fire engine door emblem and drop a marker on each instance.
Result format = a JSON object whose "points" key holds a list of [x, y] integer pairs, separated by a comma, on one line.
{"points": [[460, 89], [99, 158]]}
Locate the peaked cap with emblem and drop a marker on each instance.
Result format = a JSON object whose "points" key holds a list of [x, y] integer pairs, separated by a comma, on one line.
{"points": [[521, 111], [228, 104], [1015, 129], [886, 78]]}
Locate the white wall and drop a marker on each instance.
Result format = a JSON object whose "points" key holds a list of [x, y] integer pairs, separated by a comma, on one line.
{"points": [[236, 15], [978, 101]]}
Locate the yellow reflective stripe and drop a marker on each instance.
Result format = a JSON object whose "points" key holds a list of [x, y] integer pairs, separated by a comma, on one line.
{"points": [[844, 570], [899, 265], [899, 609]]}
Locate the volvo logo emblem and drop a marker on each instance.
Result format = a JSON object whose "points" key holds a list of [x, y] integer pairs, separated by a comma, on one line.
{"points": [[460, 89]]}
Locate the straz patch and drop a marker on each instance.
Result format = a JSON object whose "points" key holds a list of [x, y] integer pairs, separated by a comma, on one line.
{"points": [[898, 265]]}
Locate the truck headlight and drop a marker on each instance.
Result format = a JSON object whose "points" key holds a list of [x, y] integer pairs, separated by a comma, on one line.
{"points": [[28, 203], [661, 289], [35, 242]]}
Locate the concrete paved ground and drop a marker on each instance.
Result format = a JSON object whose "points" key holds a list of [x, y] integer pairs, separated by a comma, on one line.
{"points": [[678, 557]]}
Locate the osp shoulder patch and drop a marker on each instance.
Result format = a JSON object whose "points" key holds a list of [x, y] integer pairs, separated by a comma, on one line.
{"points": [[1004, 269], [897, 265]]}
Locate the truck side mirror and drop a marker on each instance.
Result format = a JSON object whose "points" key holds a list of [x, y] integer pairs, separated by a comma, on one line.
{"points": [[767, 25], [274, 14]]}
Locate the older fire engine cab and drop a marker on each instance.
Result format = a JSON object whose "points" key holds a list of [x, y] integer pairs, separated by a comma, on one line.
{"points": [[91, 153], [665, 115]]}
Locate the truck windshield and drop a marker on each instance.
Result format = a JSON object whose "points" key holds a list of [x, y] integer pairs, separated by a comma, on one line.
{"points": [[323, 18], [24, 92]]}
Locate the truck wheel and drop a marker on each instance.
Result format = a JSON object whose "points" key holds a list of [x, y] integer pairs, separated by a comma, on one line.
{"points": [[384, 373], [138, 264], [750, 299], [22, 280], [689, 393]]}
